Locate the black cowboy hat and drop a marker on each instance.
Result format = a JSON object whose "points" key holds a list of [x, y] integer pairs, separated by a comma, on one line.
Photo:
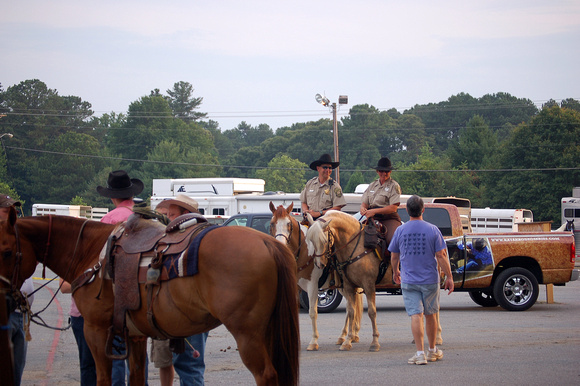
{"points": [[323, 160], [384, 165], [119, 185]]}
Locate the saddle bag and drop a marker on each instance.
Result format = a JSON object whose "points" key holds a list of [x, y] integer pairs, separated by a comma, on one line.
{"points": [[371, 239]]}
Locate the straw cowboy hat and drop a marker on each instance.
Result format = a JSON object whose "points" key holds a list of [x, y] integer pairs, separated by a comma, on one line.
{"points": [[119, 185], [323, 160], [384, 165], [182, 201]]}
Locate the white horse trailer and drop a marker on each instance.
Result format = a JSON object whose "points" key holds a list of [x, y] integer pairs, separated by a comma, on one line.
{"points": [[487, 220], [229, 196], [571, 211]]}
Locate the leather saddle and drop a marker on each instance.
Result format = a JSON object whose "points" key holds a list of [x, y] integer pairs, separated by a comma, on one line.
{"points": [[138, 238]]}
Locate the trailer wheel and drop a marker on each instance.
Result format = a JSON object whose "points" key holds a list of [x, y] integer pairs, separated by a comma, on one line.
{"points": [[483, 298], [516, 289]]}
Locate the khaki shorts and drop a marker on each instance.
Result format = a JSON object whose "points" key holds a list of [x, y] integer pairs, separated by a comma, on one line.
{"points": [[161, 355]]}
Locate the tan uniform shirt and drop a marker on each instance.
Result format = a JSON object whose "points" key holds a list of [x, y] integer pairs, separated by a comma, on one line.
{"points": [[377, 196], [322, 197]]}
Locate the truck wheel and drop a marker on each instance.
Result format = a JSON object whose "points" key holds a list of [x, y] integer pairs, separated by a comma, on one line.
{"points": [[516, 289], [483, 298], [328, 300]]}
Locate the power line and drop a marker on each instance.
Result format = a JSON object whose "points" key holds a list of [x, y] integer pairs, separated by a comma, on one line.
{"points": [[279, 168]]}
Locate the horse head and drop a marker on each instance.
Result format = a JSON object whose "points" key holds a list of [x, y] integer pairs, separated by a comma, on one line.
{"points": [[14, 269], [570, 225], [318, 241], [281, 225]]}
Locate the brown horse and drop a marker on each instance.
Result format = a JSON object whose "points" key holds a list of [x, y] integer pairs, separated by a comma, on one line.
{"points": [[340, 234], [246, 281], [286, 229]]}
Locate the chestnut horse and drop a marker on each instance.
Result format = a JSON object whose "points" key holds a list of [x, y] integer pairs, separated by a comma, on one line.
{"points": [[340, 234], [246, 281], [286, 229]]}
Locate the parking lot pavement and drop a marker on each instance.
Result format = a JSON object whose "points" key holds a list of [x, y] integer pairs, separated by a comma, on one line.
{"points": [[481, 346]]}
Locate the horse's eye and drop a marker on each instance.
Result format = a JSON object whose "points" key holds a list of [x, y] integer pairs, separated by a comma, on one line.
{"points": [[7, 254]]}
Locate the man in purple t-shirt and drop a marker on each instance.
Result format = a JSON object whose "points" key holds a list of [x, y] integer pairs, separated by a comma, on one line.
{"points": [[419, 246]]}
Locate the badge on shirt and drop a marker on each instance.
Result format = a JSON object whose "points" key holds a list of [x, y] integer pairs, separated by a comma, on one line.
{"points": [[327, 191], [337, 192]]}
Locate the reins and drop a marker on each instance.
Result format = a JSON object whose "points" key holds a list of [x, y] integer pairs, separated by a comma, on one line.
{"points": [[36, 316]]}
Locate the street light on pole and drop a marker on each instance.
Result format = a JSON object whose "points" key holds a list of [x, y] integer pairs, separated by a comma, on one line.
{"points": [[342, 100]]}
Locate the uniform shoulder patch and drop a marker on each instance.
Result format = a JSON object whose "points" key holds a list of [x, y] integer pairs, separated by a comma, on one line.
{"points": [[398, 189], [338, 192]]}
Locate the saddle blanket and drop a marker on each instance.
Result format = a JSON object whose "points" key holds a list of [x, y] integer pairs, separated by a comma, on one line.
{"points": [[180, 264]]}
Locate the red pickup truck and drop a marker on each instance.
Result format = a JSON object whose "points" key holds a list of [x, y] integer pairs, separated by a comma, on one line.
{"points": [[499, 268]]}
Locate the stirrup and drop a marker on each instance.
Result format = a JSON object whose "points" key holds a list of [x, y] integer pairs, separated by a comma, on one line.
{"points": [[109, 345]]}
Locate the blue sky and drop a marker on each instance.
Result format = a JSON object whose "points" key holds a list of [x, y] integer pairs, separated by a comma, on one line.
{"points": [[264, 61]]}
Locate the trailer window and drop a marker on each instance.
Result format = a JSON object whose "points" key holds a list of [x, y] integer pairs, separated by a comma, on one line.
{"points": [[571, 213]]}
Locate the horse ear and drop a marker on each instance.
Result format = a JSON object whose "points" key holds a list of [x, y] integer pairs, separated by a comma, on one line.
{"points": [[289, 209], [12, 216], [310, 219], [272, 208], [326, 223]]}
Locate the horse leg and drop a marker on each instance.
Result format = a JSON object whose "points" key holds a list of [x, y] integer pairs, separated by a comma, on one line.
{"points": [[358, 311], [344, 331], [252, 350], [349, 293], [137, 360], [96, 338], [372, 312], [313, 312]]}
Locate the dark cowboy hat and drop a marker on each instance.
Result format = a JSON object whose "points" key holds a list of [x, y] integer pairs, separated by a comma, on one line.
{"points": [[384, 165], [119, 185], [323, 160], [7, 201]]}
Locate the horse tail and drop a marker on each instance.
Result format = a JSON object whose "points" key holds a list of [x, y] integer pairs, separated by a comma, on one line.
{"points": [[283, 336]]}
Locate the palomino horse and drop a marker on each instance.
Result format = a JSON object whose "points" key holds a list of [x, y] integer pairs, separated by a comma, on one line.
{"points": [[340, 234], [286, 229], [245, 280]]}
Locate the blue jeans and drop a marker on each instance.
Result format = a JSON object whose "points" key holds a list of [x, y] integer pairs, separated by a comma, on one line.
{"points": [[87, 363], [121, 371], [19, 344], [189, 369]]}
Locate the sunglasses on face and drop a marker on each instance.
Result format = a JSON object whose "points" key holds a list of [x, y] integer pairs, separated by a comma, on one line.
{"points": [[326, 167]]}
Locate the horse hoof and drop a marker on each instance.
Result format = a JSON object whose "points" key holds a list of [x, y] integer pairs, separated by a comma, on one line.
{"points": [[375, 347], [340, 341], [355, 339], [439, 341], [312, 347], [345, 347]]}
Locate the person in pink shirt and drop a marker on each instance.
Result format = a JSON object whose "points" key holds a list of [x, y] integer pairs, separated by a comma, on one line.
{"points": [[121, 189]]}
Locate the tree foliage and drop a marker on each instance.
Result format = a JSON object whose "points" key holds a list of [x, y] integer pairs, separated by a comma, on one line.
{"points": [[283, 174], [61, 151]]}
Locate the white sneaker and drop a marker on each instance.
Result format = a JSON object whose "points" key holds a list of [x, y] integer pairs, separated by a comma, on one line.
{"points": [[417, 360], [434, 356]]}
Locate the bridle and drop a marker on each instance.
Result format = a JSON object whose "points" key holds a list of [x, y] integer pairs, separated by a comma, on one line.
{"points": [[331, 252], [16, 273], [301, 241]]}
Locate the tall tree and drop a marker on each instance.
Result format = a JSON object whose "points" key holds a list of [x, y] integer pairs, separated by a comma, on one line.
{"points": [[283, 174], [183, 103], [476, 146], [547, 141], [62, 171]]}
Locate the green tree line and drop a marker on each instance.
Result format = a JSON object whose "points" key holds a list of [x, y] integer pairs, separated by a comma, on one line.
{"points": [[498, 150]]}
